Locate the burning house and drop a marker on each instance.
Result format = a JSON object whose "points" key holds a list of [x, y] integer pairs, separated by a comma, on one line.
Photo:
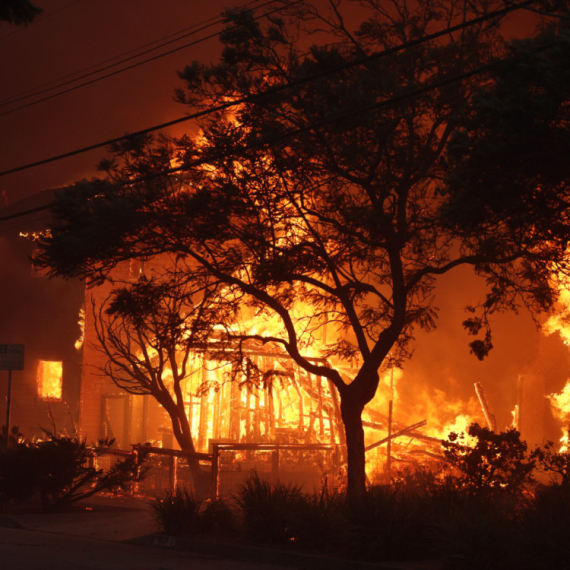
{"points": [[65, 384]]}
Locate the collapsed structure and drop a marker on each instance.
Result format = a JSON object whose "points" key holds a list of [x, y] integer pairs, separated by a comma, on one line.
{"points": [[62, 386]]}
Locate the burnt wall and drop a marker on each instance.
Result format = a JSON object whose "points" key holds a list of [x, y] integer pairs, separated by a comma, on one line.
{"points": [[42, 314]]}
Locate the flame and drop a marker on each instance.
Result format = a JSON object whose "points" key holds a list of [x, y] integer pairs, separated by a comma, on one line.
{"points": [[561, 405], [50, 380], [560, 322]]}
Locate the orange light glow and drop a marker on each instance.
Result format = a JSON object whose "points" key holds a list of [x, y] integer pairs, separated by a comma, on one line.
{"points": [[50, 376]]}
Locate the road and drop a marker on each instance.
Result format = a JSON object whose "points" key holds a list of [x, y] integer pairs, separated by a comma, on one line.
{"points": [[22, 549]]}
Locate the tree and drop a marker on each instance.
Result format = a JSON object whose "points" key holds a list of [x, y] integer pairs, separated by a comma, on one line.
{"points": [[150, 333], [18, 11], [329, 205]]}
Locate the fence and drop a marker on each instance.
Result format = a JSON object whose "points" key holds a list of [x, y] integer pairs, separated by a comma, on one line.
{"points": [[309, 465], [231, 464]]}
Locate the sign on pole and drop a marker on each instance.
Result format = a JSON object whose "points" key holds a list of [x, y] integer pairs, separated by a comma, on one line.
{"points": [[11, 357]]}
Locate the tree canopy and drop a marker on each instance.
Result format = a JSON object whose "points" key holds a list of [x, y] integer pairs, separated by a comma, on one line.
{"points": [[357, 167], [18, 12]]}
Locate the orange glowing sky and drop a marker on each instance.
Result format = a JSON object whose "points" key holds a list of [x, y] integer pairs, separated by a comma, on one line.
{"points": [[72, 35]]}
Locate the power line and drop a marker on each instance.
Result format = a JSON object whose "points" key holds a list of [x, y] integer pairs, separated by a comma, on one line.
{"points": [[66, 79], [276, 89], [132, 66], [294, 132], [39, 89]]}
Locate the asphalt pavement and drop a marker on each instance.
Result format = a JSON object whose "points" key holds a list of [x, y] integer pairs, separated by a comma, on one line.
{"points": [[104, 532], [120, 533]]}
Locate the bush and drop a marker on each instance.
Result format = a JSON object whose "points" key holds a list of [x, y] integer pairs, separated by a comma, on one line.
{"points": [[57, 472], [269, 510], [177, 514], [497, 463], [481, 517], [390, 523], [477, 532], [318, 522], [545, 530], [181, 513], [15, 437]]}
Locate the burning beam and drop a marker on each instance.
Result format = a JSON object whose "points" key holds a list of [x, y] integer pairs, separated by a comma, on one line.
{"points": [[404, 431], [489, 417]]}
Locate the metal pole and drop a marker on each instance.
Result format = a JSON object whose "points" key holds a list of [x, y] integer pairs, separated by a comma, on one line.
{"points": [[8, 403]]}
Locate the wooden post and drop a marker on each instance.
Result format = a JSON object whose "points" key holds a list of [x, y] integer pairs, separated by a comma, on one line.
{"points": [[137, 462], [336, 408], [215, 471], [173, 473], [390, 411], [275, 464], [8, 406], [216, 419], [271, 406], [235, 411], [389, 445], [320, 406]]}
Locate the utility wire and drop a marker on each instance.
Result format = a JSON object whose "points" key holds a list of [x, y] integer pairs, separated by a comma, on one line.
{"points": [[387, 103], [273, 90], [87, 72], [132, 66]]}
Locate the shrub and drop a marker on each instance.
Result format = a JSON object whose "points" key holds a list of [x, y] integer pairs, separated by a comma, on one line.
{"points": [[545, 527], [389, 523], [15, 437], [318, 521], [269, 510], [477, 533], [554, 464], [177, 514], [497, 463], [181, 513], [57, 471]]}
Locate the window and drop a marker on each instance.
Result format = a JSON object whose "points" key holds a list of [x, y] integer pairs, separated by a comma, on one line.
{"points": [[50, 376]]}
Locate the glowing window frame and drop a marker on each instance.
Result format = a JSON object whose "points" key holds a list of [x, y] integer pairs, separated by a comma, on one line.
{"points": [[55, 391]]}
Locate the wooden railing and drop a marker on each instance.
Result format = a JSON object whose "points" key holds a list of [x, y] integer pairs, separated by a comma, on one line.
{"points": [[141, 452]]}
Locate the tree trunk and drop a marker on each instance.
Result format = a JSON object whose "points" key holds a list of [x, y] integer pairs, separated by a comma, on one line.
{"points": [[183, 436], [351, 410]]}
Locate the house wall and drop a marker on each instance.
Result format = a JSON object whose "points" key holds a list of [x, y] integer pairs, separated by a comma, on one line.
{"points": [[43, 315], [108, 411]]}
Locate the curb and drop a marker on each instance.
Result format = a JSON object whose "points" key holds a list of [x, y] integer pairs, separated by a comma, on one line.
{"points": [[273, 556]]}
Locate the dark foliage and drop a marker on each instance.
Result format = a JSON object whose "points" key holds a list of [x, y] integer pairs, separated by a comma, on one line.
{"points": [[269, 510], [182, 513], [497, 463], [544, 530], [57, 472], [18, 11], [389, 523], [15, 437]]}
